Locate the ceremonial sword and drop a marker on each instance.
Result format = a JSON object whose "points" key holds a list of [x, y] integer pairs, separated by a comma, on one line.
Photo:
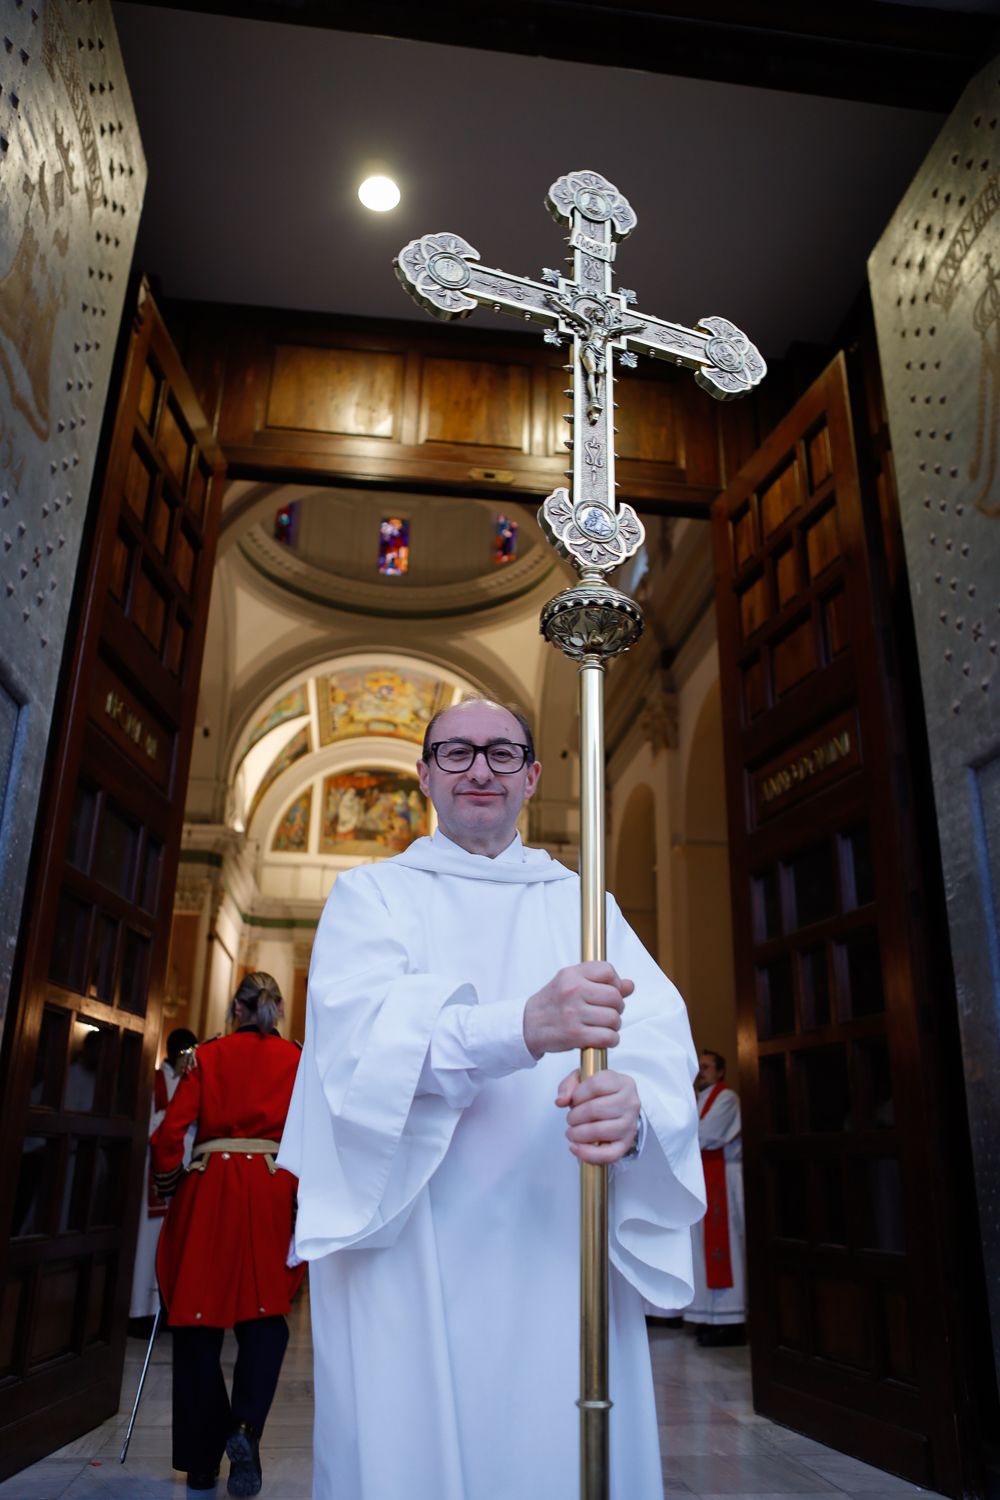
{"points": [[185, 1059], [142, 1382]]}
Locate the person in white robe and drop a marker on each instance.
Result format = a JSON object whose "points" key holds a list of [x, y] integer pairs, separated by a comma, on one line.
{"points": [[429, 1127], [718, 1244], [145, 1298]]}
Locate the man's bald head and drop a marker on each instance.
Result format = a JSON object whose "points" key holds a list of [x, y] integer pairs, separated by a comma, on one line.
{"points": [[478, 807], [430, 734]]}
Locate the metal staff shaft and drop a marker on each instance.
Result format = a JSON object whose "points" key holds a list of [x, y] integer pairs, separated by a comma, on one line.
{"points": [[594, 1403], [592, 622]]}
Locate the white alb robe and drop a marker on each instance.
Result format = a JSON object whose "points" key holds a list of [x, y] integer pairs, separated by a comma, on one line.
{"points": [[438, 1202], [145, 1298], [721, 1129]]}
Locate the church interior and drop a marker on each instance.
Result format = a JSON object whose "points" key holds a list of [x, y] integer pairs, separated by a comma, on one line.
{"points": [[351, 494], [289, 593]]}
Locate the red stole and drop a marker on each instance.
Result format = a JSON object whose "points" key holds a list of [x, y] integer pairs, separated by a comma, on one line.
{"points": [[718, 1265], [156, 1207]]}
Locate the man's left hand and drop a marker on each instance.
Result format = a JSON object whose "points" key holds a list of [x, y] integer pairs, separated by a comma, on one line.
{"points": [[603, 1117]]}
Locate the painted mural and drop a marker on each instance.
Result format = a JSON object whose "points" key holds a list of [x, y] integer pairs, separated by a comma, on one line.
{"points": [[371, 813], [292, 833], [297, 746], [378, 700], [291, 706]]}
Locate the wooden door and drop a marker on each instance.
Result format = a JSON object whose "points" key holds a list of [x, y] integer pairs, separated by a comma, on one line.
{"points": [[848, 1211], [72, 178], [80, 1049]]}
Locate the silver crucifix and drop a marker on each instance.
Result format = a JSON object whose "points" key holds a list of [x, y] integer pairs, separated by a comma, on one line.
{"points": [[442, 273], [591, 621]]}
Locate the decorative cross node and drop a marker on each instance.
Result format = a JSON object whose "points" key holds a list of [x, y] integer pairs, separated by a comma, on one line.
{"points": [[592, 621], [442, 272], [591, 532]]}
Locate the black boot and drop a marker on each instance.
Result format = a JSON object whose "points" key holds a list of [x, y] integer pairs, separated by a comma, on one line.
{"points": [[242, 1450], [202, 1480]]}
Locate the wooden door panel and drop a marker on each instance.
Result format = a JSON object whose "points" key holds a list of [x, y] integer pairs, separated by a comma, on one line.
{"points": [[848, 1338], [347, 402], [475, 402], [80, 1067], [339, 391]]}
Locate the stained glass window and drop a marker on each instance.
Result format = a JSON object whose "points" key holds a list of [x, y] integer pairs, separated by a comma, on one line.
{"points": [[504, 540], [286, 523], [393, 546]]}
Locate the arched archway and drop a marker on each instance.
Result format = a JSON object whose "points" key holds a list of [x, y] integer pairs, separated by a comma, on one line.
{"points": [[635, 866], [346, 699]]}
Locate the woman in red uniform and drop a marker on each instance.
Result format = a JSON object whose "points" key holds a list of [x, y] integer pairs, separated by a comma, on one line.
{"points": [[223, 1251]]}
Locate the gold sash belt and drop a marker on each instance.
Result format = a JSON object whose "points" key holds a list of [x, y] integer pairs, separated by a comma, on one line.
{"points": [[247, 1146]]}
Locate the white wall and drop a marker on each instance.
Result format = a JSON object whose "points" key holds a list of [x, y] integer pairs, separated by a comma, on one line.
{"points": [[700, 868], [635, 765]]}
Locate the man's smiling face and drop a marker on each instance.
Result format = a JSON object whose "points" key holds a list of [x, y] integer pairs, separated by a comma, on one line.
{"points": [[477, 808]]}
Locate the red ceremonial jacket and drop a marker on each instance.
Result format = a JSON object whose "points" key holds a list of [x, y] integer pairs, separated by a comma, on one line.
{"points": [[221, 1257]]}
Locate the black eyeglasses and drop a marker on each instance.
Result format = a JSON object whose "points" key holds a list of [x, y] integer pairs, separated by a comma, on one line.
{"points": [[502, 757]]}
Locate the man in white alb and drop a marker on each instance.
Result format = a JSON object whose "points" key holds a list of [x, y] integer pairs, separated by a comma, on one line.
{"points": [[719, 1306], [438, 1202]]}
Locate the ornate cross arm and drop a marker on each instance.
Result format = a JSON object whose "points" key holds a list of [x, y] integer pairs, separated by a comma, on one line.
{"points": [[725, 363], [441, 272], [602, 327]]}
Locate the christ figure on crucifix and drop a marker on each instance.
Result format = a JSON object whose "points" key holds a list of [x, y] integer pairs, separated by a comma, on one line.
{"points": [[597, 325]]}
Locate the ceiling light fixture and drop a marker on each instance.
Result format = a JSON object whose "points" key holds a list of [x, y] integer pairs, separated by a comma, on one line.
{"points": [[379, 194]]}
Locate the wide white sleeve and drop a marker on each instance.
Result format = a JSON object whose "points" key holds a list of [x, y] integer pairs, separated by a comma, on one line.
{"points": [[470, 1043], [722, 1123], [360, 1136], [654, 1203]]}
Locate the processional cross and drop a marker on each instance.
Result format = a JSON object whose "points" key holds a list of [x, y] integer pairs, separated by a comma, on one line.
{"points": [[592, 621]]}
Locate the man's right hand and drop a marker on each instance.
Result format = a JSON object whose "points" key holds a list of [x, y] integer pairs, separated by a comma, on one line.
{"points": [[581, 1007]]}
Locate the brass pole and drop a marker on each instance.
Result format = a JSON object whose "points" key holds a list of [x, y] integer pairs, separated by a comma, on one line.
{"points": [[591, 622], [594, 1402]]}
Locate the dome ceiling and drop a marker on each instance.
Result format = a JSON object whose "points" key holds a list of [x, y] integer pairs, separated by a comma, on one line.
{"points": [[332, 553], [451, 540]]}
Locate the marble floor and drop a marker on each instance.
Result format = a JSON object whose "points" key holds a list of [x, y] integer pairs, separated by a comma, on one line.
{"points": [[712, 1442]]}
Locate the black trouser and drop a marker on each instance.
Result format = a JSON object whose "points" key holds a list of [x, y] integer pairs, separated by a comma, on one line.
{"points": [[204, 1415]]}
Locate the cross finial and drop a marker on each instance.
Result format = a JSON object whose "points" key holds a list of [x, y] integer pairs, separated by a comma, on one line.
{"points": [[591, 621], [442, 273]]}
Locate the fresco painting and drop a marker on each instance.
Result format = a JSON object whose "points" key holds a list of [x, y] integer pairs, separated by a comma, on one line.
{"points": [[371, 813], [292, 834], [289, 707], [379, 700], [297, 746]]}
